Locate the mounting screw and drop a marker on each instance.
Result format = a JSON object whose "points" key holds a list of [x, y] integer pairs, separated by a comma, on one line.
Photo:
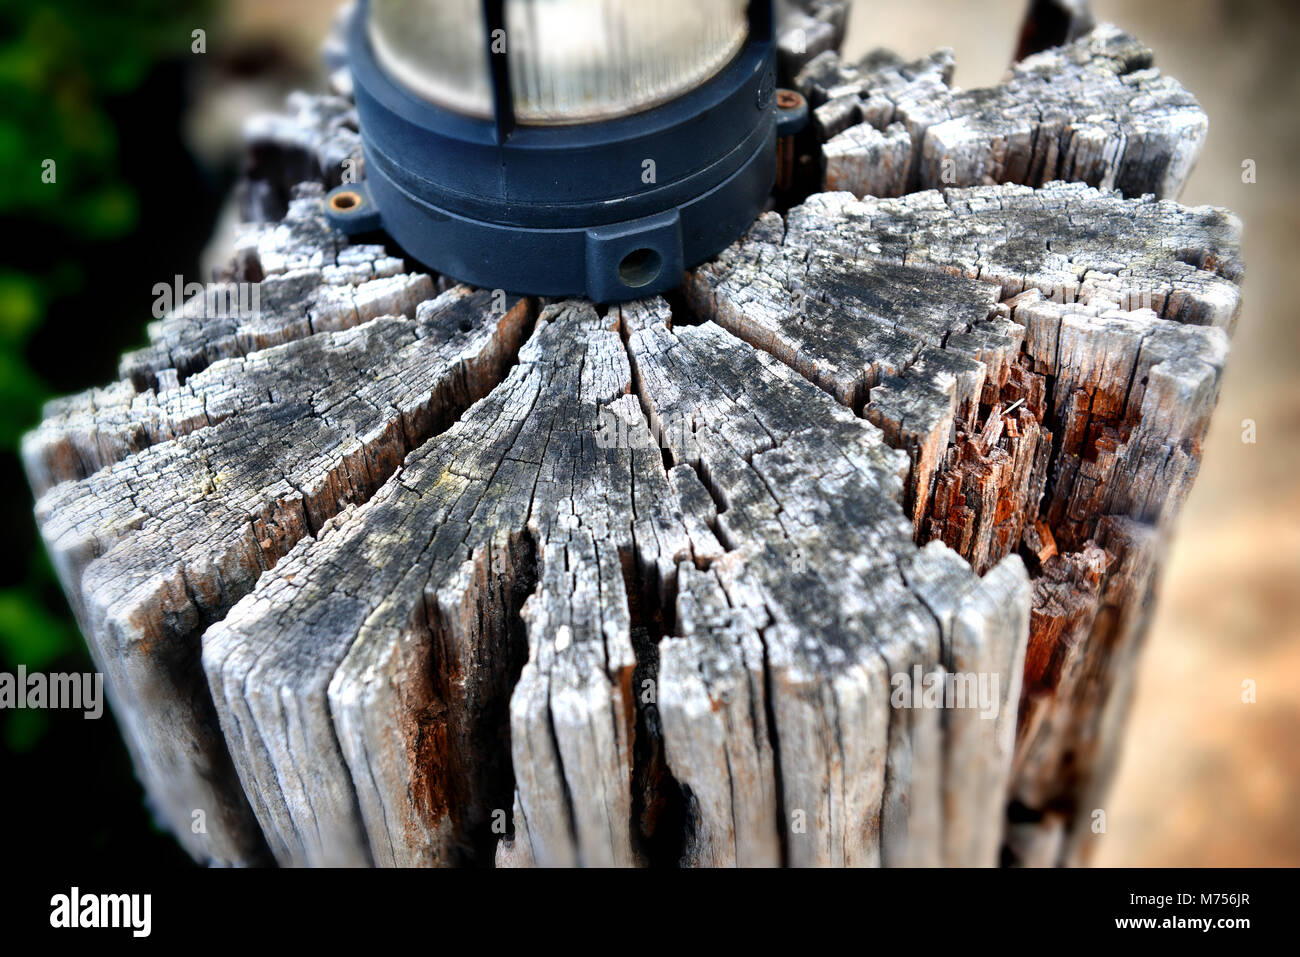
{"points": [[791, 118]]}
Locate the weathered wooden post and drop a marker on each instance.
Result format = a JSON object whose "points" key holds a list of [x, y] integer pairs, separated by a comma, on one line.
{"points": [[840, 556]]}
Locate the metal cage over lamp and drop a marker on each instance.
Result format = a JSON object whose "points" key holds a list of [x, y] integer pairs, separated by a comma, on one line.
{"points": [[562, 147]]}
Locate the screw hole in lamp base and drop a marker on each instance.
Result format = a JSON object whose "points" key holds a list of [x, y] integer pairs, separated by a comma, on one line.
{"points": [[640, 268]]}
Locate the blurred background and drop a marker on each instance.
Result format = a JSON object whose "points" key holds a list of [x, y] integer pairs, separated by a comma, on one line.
{"points": [[145, 132]]}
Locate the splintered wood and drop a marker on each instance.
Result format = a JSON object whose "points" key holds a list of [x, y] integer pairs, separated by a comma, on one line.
{"points": [[1043, 415], [806, 28], [1094, 111], [840, 557]]}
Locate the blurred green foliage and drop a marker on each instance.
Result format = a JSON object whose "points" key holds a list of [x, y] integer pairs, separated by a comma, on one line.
{"points": [[63, 63]]}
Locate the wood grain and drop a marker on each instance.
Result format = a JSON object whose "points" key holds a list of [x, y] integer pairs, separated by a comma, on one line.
{"points": [[397, 572]]}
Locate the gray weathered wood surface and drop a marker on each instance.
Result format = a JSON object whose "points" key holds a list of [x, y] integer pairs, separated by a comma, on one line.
{"points": [[397, 572]]}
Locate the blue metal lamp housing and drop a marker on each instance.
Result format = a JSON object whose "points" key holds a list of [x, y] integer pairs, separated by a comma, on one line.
{"points": [[523, 190]]}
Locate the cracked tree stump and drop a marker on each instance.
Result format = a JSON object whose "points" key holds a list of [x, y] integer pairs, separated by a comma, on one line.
{"points": [[397, 572]]}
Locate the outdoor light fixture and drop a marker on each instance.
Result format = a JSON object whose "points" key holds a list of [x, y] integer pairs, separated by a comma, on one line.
{"points": [[562, 147]]}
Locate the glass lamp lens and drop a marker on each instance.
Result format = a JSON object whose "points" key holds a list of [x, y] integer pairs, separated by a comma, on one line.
{"points": [[570, 61], [581, 60], [436, 49]]}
